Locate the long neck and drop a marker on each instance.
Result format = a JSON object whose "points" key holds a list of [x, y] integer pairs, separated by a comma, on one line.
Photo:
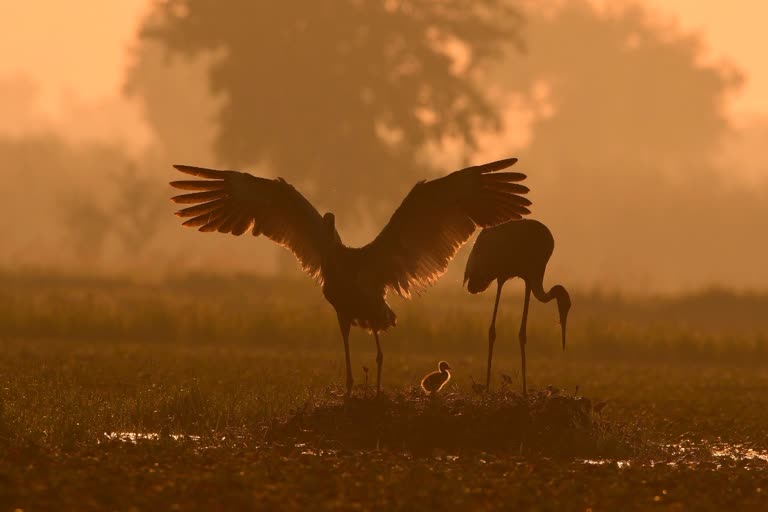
{"points": [[537, 287]]}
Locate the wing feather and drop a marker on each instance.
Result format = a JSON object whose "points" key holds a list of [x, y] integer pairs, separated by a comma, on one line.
{"points": [[197, 185], [437, 217], [199, 197], [202, 208], [236, 202]]}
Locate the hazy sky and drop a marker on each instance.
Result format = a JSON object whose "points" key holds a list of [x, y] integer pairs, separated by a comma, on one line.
{"points": [[82, 45], [78, 51]]}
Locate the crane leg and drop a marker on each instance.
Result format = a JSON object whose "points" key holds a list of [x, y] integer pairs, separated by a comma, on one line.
{"points": [[492, 335], [345, 325], [523, 333], [379, 361]]}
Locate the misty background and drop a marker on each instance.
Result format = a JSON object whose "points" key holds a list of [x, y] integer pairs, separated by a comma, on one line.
{"points": [[648, 178]]}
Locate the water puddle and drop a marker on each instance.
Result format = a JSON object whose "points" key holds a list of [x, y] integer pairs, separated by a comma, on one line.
{"points": [[316, 452], [603, 462], [693, 453], [134, 437], [687, 452], [739, 452]]}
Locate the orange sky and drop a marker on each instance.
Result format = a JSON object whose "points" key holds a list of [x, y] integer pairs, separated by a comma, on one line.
{"points": [[75, 44], [81, 45]]}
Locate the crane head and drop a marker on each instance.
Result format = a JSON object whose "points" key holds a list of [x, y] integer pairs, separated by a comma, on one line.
{"points": [[563, 306], [329, 220]]}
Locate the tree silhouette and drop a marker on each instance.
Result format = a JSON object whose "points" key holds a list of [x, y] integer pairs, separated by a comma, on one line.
{"points": [[125, 206], [176, 101], [340, 96], [628, 88], [86, 195], [629, 119]]}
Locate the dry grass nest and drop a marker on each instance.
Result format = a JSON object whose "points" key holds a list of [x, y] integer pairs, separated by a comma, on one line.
{"points": [[544, 422]]}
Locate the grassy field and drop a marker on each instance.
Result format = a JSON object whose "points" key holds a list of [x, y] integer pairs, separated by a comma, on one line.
{"points": [[207, 369]]}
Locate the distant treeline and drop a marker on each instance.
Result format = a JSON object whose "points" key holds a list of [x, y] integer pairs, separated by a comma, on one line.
{"points": [[712, 325]]}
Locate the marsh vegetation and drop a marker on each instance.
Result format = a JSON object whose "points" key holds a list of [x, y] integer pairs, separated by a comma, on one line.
{"points": [[156, 394]]}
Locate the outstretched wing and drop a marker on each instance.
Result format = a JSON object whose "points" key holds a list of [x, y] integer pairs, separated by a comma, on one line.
{"points": [[234, 202], [437, 218]]}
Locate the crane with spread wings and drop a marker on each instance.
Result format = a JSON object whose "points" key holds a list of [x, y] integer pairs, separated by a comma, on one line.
{"points": [[412, 251]]}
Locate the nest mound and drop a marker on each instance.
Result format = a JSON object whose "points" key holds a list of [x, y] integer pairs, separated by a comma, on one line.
{"points": [[543, 422]]}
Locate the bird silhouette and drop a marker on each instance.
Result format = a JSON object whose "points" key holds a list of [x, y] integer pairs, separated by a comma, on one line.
{"points": [[412, 251], [515, 249], [434, 382]]}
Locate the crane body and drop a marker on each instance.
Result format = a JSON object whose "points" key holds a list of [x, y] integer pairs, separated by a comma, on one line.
{"points": [[515, 249]]}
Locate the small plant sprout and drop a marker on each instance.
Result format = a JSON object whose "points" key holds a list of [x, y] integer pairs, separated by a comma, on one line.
{"points": [[477, 388]]}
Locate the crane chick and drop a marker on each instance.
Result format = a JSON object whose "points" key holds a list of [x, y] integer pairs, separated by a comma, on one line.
{"points": [[434, 381]]}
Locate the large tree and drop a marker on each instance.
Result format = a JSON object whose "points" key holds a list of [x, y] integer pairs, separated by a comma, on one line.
{"points": [[620, 84], [340, 96], [629, 116]]}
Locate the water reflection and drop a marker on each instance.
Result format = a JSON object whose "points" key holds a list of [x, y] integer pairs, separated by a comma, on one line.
{"points": [[739, 452], [600, 462], [689, 452], [317, 452], [134, 437]]}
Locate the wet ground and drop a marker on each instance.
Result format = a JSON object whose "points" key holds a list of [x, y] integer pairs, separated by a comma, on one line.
{"points": [[113, 427], [191, 475], [686, 453]]}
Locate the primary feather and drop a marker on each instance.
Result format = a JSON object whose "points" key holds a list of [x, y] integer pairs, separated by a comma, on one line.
{"points": [[235, 202], [437, 217]]}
